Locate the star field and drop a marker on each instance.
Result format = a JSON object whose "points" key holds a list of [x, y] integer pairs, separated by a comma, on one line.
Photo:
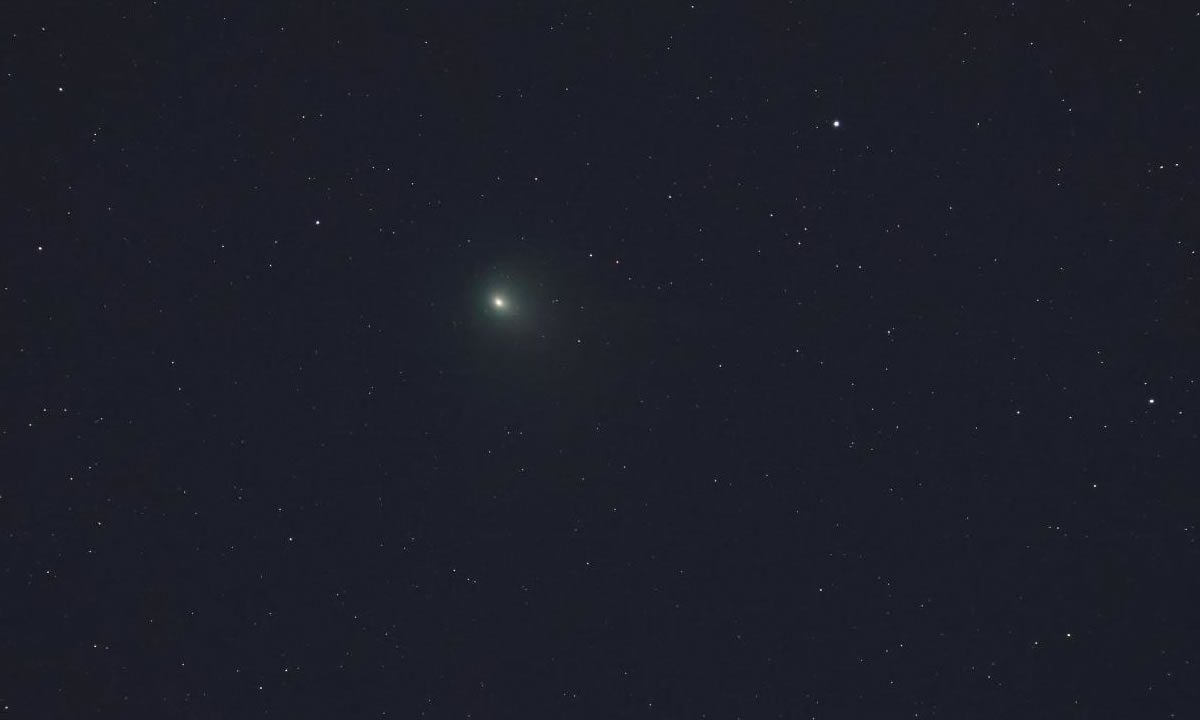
{"points": [[588, 360]]}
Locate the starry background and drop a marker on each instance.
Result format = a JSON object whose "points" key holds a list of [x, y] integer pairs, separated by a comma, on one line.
{"points": [[849, 367]]}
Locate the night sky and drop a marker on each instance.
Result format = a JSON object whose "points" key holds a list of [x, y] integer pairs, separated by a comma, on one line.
{"points": [[680, 360]]}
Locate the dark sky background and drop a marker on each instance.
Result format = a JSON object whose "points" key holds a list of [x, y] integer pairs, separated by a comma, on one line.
{"points": [[847, 369]]}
